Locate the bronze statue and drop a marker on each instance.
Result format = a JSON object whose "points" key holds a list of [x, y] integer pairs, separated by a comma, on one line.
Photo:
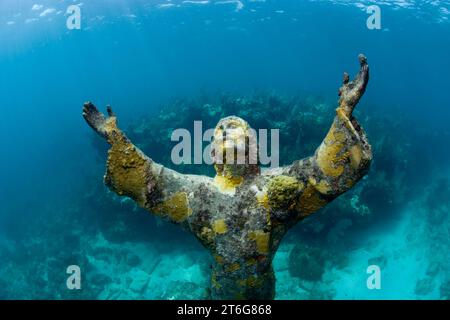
{"points": [[241, 215]]}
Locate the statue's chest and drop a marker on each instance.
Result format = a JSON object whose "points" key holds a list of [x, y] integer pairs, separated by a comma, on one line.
{"points": [[243, 231]]}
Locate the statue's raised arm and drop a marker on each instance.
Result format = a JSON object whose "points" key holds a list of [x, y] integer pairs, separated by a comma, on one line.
{"points": [[341, 160], [131, 173]]}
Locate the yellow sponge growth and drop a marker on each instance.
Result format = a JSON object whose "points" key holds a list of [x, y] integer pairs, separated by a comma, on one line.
{"points": [[220, 227], [262, 240], [176, 207], [283, 191]]}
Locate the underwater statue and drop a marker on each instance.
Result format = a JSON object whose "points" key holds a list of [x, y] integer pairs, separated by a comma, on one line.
{"points": [[242, 214]]}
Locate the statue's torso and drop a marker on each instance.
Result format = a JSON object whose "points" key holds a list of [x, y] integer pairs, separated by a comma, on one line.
{"points": [[238, 227]]}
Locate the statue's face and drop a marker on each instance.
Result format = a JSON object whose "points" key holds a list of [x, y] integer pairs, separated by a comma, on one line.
{"points": [[234, 144]]}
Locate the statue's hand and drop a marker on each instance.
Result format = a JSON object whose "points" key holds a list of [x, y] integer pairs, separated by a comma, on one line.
{"points": [[352, 91], [97, 121]]}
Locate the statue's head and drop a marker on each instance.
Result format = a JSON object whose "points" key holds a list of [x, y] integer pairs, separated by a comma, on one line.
{"points": [[234, 149]]}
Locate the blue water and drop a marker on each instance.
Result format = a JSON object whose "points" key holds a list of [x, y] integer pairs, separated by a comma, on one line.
{"points": [[139, 56]]}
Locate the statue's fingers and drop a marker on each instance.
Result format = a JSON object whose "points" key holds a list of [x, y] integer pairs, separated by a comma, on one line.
{"points": [[90, 112], [89, 107], [110, 111], [362, 59], [358, 86], [351, 91], [94, 118], [345, 78], [362, 77]]}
